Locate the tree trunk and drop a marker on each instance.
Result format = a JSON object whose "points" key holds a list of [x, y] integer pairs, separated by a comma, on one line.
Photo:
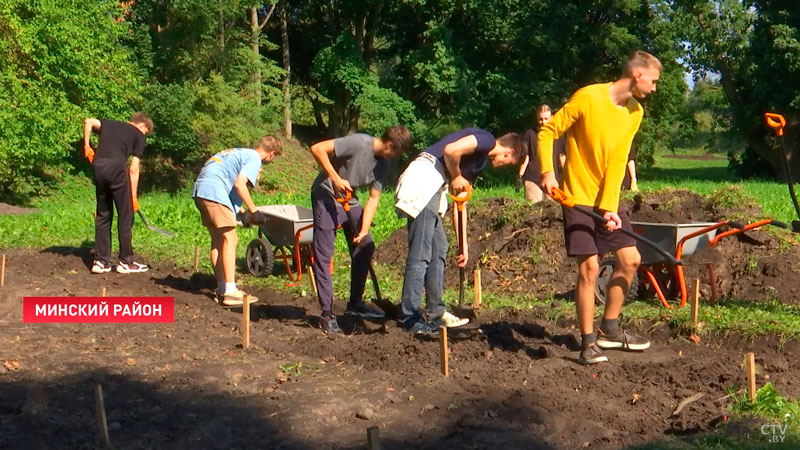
{"points": [[221, 36], [287, 95], [254, 32]]}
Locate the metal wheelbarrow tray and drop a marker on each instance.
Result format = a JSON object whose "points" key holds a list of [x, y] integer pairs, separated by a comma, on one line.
{"points": [[288, 229]]}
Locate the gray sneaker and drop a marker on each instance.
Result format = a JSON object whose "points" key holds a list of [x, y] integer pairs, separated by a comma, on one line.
{"points": [[623, 341], [423, 328], [592, 354], [329, 324]]}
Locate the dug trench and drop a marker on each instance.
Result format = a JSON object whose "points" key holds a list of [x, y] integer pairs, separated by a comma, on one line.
{"points": [[513, 383]]}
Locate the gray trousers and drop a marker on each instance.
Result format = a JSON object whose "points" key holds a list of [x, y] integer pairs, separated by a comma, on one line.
{"points": [[328, 214], [427, 250]]}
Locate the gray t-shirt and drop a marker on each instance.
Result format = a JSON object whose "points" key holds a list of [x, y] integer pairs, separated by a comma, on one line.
{"points": [[354, 160]]}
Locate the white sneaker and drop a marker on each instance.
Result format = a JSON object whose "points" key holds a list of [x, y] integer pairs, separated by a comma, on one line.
{"points": [[133, 267], [237, 297], [451, 321], [101, 267]]}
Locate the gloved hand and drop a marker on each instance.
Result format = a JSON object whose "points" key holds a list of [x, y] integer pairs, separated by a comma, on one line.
{"points": [[135, 203], [518, 184], [258, 218], [634, 186], [88, 152]]}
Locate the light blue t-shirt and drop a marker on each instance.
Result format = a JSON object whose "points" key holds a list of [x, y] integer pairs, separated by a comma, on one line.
{"points": [[215, 181]]}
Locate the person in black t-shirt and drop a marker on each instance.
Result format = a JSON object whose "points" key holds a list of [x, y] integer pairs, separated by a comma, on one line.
{"points": [[630, 182], [116, 184], [529, 170]]}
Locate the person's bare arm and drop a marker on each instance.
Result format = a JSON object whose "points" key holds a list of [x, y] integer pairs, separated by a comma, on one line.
{"points": [[453, 152], [89, 125], [369, 213], [240, 184], [632, 173], [523, 166], [134, 174], [321, 152]]}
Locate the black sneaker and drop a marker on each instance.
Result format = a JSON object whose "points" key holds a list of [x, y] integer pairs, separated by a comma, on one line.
{"points": [[329, 324], [364, 310], [623, 341], [592, 355], [423, 328]]}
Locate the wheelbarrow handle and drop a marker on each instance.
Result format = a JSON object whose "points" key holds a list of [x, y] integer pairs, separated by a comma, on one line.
{"points": [[776, 122], [560, 197]]}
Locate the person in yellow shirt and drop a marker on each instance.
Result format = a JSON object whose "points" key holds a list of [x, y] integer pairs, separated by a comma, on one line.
{"points": [[600, 121]]}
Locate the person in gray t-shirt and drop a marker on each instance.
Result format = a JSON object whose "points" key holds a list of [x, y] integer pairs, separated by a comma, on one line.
{"points": [[346, 163]]}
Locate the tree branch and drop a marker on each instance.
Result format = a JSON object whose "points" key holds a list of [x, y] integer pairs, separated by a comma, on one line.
{"points": [[269, 14]]}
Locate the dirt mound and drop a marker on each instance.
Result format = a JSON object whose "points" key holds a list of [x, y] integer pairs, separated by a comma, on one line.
{"points": [[520, 247]]}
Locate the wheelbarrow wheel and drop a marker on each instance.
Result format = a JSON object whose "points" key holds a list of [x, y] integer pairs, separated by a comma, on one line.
{"points": [[260, 259], [607, 267]]}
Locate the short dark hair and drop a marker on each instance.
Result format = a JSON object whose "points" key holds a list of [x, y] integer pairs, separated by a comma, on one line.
{"points": [[399, 136], [640, 59], [544, 108], [270, 143], [142, 118], [514, 141]]}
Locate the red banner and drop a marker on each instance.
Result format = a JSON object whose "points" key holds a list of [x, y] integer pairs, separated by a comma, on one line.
{"points": [[98, 309]]}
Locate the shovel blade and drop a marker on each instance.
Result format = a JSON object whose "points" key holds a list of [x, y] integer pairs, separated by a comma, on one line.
{"points": [[391, 310], [464, 312]]}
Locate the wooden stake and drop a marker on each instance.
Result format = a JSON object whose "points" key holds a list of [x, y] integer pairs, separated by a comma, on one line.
{"points": [[696, 303], [751, 377], [246, 325], [103, 292], [196, 257], [100, 406], [313, 279], [478, 289], [445, 355], [3, 272], [373, 438]]}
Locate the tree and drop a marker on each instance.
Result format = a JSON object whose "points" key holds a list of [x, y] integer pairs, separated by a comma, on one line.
{"points": [[62, 62]]}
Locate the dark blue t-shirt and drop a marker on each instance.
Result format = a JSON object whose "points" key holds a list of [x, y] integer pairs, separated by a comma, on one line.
{"points": [[471, 165]]}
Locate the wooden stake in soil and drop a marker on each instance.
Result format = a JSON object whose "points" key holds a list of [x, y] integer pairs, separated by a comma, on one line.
{"points": [[3, 272], [103, 292], [478, 289], [445, 355], [196, 257], [695, 303], [751, 377], [373, 438], [246, 319], [100, 406], [313, 279]]}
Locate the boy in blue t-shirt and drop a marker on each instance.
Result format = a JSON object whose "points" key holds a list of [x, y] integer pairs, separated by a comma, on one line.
{"points": [[220, 190], [456, 160]]}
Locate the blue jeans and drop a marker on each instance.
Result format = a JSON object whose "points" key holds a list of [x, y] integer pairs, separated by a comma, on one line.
{"points": [[427, 250]]}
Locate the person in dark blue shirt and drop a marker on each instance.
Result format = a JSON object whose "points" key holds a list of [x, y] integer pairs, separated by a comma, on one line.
{"points": [[454, 161]]}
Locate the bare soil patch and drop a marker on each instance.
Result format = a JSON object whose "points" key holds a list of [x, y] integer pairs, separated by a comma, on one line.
{"points": [[514, 381], [6, 209]]}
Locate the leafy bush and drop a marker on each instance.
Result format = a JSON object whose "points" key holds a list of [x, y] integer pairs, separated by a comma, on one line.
{"points": [[62, 62]]}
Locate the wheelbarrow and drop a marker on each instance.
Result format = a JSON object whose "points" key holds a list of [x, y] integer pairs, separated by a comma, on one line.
{"points": [[686, 240], [287, 230], [663, 277]]}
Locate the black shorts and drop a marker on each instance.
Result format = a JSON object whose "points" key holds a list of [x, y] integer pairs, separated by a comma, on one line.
{"points": [[585, 236]]}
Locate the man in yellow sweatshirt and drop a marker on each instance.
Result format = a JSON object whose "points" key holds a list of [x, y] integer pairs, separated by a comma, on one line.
{"points": [[600, 121]]}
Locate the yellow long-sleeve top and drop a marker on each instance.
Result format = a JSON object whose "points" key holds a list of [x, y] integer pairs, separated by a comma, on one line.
{"points": [[599, 137]]}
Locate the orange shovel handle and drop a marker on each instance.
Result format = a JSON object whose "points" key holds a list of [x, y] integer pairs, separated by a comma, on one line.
{"points": [[345, 201], [461, 198], [559, 196], [776, 122]]}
